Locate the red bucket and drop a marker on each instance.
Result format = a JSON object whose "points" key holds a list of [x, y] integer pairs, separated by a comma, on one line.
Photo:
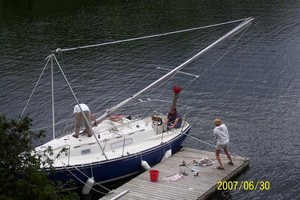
{"points": [[154, 175]]}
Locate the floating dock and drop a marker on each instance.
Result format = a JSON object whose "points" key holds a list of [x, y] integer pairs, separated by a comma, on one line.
{"points": [[190, 186]]}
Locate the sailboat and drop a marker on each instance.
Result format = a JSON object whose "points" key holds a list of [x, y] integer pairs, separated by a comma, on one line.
{"points": [[123, 147]]}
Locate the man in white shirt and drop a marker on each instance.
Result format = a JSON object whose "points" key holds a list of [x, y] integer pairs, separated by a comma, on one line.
{"points": [[222, 136], [79, 119]]}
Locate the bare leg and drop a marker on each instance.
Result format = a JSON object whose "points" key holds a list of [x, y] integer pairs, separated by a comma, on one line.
{"points": [[227, 153], [218, 157]]}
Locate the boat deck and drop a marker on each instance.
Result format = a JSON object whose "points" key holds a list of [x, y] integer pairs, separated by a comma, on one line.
{"points": [[189, 186]]}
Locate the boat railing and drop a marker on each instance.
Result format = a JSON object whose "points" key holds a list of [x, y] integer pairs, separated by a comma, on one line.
{"points": [[69, 153]]}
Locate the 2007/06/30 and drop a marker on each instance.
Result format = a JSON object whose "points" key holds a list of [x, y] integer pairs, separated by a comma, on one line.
{"points": [[243, 185]]}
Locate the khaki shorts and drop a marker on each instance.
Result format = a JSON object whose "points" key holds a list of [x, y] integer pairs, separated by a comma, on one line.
{"points": [[79, 119], [221, 146]]}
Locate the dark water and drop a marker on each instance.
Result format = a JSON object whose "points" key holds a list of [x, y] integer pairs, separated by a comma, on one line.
{"points": [[254, 88]]}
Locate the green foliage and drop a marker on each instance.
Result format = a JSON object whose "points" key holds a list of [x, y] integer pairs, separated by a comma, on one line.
{"points": [[20, 176]]}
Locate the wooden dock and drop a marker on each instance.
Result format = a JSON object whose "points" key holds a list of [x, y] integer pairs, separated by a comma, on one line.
{"points": [[189, 187]]}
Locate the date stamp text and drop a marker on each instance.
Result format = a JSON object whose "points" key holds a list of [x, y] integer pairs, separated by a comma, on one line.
{"points": [[244, 185]]}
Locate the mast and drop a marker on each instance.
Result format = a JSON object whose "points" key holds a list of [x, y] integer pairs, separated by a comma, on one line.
{"points": [[52, 84], [234, 31]]}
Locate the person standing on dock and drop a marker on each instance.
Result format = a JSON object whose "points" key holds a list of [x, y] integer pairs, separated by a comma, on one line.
{"points": [[80, 110], [222, 136]]}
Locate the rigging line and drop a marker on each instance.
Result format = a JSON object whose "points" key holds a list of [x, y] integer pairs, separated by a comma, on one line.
{"points": [[123, 92], [92, 176], [129, 89], [177, 72], [234, 82], [181, 72], [185, 87], [162, 107], [232, 147], [201, 74], [149, 36], [200, 140], [48, 59], [231, 47], [197, 139], [167, 84], [181, 66], [52, 55], [84, 182], [165, 88], [213, 63], [83, 175], [218, 60]]}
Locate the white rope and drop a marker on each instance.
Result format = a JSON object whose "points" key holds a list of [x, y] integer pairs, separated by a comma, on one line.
{"points": [[149, 36], [89, 177], [48, 58], [168, 82], [183, 89], [212, 145], [84, 182], [63, 164], [236, 78], [162, 106], [180, 72]]}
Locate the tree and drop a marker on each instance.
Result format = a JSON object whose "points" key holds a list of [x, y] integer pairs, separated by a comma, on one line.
{"points": [[20, 174]]}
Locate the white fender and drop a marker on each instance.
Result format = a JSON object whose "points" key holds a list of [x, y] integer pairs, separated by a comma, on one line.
{"points": [[145, 165], [88, 186], [167, 155]]}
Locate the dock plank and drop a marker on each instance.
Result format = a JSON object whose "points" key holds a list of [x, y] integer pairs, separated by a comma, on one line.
{"points": [[189, 187]]}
